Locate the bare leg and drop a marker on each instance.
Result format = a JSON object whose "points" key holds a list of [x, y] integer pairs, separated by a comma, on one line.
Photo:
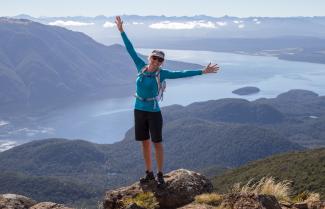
{"points": [[147, 154], [159, 151]]}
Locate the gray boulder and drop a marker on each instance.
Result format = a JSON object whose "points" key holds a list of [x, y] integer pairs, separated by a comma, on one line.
{"points": [[49, 205], [14, 201], [181, 188]]}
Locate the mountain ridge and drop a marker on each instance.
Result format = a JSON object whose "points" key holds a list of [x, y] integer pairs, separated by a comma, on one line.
{"points": [[45, 66]]}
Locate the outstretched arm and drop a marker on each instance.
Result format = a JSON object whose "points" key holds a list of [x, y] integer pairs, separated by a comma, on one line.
{"points": [[187, 73], [129, 47], [167, 74]]}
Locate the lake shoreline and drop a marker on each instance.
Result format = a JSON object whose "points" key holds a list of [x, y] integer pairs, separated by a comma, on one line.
{"points": [[262, 53]]}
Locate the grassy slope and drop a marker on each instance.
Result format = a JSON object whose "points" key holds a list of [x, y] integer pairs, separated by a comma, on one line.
{"points": [[305, 169]]}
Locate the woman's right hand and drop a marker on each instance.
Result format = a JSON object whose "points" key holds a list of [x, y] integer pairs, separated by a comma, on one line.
{"points": [[119, 23]]}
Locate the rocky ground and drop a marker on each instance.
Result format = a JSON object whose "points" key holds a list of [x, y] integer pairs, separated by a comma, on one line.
{"points": [[181, 189]]}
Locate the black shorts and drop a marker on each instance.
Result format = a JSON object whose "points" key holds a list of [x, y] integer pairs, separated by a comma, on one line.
{"points": [[148, 125]]}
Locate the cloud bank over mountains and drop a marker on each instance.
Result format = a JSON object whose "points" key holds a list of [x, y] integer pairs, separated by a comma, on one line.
{"points": [[159, 25], [63, 23], [183, 25], [171, 30]]}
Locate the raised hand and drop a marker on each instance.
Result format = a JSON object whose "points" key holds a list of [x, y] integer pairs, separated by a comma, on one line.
{"points": [[119, 23], [210, 68]]}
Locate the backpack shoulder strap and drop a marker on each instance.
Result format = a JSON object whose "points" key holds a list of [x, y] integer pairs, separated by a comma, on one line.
{"points": [[161, 86], [144, 69], [158, 79]]}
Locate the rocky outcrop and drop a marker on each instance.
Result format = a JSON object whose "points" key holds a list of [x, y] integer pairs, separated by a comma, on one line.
{"points": [[181, 188], [49, 205], [180, 192], [14, 201], [304, 205], [252, 201]]}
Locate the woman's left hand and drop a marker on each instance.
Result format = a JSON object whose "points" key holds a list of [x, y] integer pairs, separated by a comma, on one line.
{"points": [[210, 68]]}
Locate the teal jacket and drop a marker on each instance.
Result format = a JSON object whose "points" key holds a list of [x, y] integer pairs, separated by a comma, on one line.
{"points": [[147, 85]]}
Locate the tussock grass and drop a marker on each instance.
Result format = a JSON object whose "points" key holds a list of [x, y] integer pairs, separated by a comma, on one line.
{"points": [[146, 200], [306, 197], [267, 186], [213, 199], [313, 197], [223, 207]]}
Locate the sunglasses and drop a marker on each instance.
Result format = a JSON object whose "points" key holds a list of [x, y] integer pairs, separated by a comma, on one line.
{"points": [[157, 58]]}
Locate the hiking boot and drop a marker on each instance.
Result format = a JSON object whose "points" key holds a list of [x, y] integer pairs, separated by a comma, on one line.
{"points": [[147, 178], [160, 180]]}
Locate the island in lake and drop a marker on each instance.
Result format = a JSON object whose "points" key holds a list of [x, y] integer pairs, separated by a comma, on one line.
{"points": [[246, 90]]}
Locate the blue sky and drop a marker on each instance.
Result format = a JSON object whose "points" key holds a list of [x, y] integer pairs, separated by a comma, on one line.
{"points": [[240, 8]]}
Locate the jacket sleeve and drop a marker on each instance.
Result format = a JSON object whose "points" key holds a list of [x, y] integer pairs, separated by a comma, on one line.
{"points": [[129, 47], [167, 74]]}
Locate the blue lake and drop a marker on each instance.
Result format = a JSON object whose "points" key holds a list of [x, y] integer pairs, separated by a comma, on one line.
{"points": [[107, 121]]}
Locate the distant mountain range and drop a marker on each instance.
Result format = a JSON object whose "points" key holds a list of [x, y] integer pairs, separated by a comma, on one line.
{"points": [[44, 66], [199, 26], [289, 38]]}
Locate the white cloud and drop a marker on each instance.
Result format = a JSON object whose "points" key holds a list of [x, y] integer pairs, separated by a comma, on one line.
{"points": [[3, 123], [208, 24], [32, 132], [183, 25], [70, 23], [109, 24], [137, 23], [237, 21], [222, 23], [313, 117], [241, 26], [256, 21], [5, 145]]}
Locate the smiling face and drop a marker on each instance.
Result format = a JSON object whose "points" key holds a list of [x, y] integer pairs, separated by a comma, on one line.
{"points": [[155, 62], [155, 59]]}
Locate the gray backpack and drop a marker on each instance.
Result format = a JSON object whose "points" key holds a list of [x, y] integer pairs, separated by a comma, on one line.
{"points": [[161, 86]]}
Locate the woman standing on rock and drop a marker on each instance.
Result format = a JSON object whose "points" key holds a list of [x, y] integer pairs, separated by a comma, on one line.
{"points": [[149, 88]]}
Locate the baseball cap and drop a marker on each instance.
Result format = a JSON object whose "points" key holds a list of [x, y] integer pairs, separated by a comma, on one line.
{"points": [[158, 53]]}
